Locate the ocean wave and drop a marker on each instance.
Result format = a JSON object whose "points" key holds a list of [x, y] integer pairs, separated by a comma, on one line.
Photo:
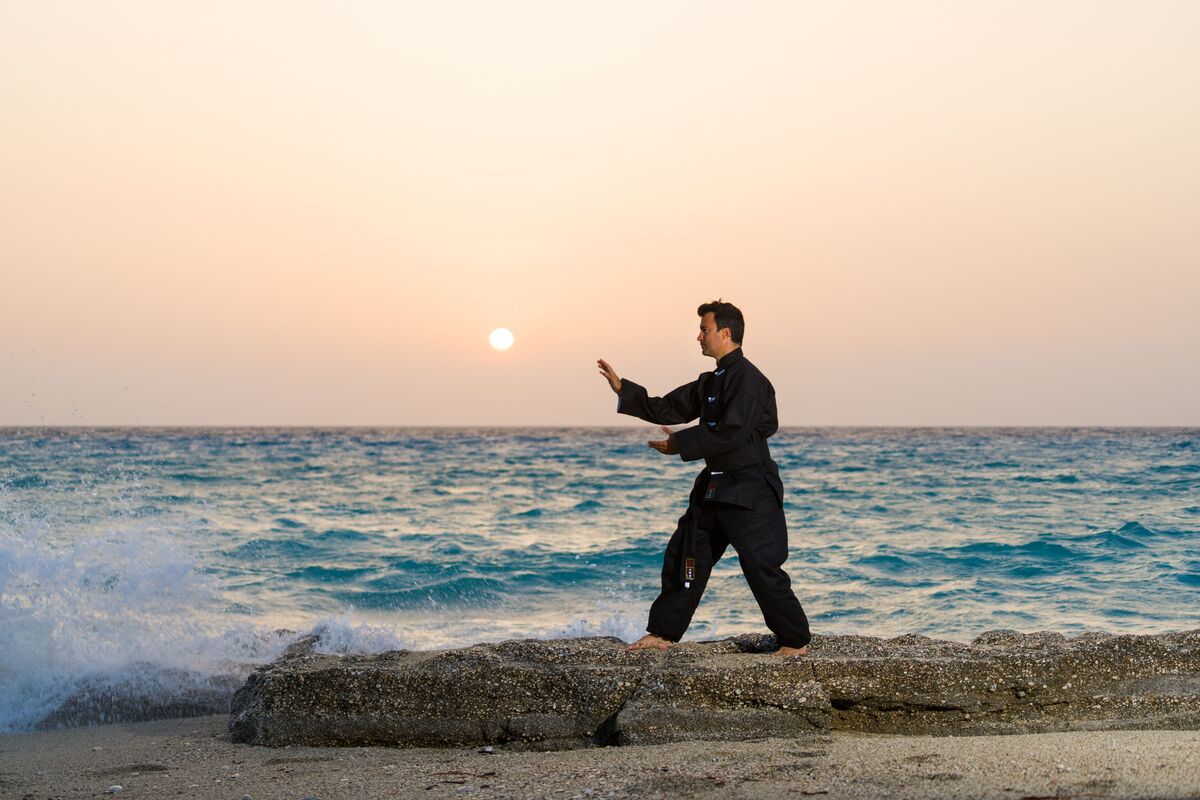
{"points": [[265, 549], [342, 535], [532, 512], [25, 482], [330, 574], [196, 477], [463, 590]]}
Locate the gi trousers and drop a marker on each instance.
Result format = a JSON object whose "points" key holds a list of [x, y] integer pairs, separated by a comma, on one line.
{"points": [[759, 535]]}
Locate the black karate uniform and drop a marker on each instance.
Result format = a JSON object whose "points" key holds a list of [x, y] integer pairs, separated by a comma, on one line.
{"points": [[737, 498]]}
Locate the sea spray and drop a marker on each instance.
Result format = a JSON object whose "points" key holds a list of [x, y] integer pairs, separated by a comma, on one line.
{"points": [[98, 625], [78, 613]]}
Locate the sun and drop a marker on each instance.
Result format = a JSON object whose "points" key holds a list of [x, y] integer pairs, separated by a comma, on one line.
{"points": [[500, 339]]}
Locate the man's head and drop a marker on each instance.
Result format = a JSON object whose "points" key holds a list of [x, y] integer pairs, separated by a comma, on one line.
{"points": [[721, 328]]}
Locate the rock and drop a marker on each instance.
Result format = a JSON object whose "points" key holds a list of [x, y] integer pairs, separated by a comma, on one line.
{"points": [[696, 695], [580, 692], [544, 694], [144, 692], [1043, 682]]}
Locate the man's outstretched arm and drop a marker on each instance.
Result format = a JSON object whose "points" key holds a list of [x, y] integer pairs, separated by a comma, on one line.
{"points": [[679, 405]]}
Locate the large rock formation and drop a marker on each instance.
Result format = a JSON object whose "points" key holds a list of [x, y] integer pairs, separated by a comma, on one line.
{"points": [[576, 692]]}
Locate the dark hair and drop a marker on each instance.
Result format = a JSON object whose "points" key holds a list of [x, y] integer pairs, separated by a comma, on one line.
{"points": [[726, 315]]}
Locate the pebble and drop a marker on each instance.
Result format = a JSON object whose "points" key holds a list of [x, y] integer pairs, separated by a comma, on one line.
{"points": [[487, 749], [116, 787], [245, 797], [97, 749]]}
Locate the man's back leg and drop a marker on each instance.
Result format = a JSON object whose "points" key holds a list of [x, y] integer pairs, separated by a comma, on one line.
{"points": [[760, 538]]}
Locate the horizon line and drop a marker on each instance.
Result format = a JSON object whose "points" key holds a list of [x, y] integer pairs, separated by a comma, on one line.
{"points": [[391, 426]]}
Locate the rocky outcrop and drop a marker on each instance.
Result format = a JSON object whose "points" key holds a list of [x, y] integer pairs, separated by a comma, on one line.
{"points": [[579, 692], [1007, 682], [143, 692], [552, 694]]}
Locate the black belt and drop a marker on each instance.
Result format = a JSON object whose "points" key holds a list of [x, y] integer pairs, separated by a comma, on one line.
{"points": [[752, 455]]}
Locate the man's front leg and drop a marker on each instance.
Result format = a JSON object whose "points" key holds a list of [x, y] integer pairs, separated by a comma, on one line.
{"points": [[671, 613]]}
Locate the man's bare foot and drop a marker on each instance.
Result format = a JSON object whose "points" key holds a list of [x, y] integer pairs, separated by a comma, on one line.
{"points": [[650, 642], [795, 652]]}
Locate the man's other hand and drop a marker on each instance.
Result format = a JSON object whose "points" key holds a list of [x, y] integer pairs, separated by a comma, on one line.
{"points": [[667, 446], [610, 375]]}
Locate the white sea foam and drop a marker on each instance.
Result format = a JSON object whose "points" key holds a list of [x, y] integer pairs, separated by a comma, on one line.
{"points": [[342, 635], [616, 622]]}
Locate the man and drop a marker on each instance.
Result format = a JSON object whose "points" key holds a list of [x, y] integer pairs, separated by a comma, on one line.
{"points": [[737, 498]]}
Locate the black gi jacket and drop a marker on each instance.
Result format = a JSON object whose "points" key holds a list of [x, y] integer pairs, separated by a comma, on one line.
{"points": [[735, 404]]}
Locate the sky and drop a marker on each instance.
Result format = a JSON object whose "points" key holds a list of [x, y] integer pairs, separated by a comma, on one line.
{"points": [[301, 213]]}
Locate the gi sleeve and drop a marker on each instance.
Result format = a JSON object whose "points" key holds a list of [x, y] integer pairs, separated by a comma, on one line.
{"points": [[679, 405], [748, 417]]}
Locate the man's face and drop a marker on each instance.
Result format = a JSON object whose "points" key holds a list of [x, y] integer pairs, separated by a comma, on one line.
{"points": [[710, 337]]}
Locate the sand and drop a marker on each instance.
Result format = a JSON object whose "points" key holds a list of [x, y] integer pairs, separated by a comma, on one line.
{"points": [[194, 758]]}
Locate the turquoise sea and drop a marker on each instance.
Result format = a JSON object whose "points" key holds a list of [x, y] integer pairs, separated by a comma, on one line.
{"points": [[206, 548]]}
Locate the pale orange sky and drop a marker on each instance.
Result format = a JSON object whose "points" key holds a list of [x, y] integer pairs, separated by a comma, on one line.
{"points": [[313, 213]]}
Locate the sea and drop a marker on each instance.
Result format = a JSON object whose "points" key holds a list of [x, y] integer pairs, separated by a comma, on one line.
{"points": [[206, 550]]}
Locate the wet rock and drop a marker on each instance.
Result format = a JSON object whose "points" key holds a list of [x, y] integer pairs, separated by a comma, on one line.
{"points": [[580, 692], [144, 692]]}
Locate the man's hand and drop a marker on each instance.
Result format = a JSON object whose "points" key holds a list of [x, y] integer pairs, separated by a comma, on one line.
{"points": [[610, 375], [667, 446]]}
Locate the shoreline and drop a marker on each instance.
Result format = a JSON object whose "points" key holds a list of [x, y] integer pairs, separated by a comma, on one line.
{"points": [[194, 757]]}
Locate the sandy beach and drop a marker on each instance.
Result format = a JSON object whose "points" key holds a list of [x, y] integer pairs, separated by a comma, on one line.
{"points": [[195, 758]]}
